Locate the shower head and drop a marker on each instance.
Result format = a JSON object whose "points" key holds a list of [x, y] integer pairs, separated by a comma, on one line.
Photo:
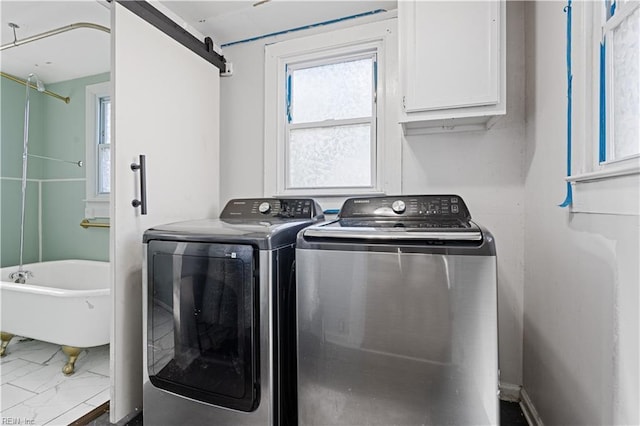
{"points": [[39, 83]]}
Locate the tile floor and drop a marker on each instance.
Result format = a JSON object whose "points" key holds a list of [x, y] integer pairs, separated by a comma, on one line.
{"points": [[33, 390]]}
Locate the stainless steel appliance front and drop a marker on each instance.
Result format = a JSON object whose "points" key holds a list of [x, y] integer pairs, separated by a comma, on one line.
{"points": [[397, 316], [219, 299], [396, 338], [218, 387]]}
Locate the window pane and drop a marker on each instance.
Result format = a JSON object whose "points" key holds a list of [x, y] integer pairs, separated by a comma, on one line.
{"points": [[105, 120], [626, 75], [104, 169], [336, 91], [104, 148], [330, 157]]}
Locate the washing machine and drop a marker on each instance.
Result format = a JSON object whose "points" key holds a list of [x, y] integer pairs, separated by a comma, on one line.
{"points": [[219, 309], [397, 315]]}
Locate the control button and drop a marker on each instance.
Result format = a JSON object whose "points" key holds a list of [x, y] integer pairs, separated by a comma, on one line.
{"points": [[264, 207], [454, 208], [398, 206]]}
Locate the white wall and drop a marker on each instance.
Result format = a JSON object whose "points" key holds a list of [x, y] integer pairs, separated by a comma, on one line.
{"points": [[580, 361], [242, 112], [485, 168]]}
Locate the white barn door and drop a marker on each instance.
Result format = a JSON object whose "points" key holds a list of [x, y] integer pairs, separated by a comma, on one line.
{"points": [[165, 106]]}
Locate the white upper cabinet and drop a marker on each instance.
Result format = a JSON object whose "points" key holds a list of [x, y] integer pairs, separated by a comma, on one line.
{"points": [[452, 64]]}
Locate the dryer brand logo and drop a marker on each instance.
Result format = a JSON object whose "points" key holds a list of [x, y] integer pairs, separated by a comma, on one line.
{"points": [[361, 201]]}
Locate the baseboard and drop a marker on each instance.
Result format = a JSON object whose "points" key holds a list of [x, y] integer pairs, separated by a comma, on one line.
{"points": [[529, 410], [91, 415], [509, 392]]}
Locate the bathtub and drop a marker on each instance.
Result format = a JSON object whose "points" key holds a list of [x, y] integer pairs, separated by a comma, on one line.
{"points": [[65, 302]]}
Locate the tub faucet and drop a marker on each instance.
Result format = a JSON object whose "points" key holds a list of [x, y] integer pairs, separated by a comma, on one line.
{"points": [[20, 277]]}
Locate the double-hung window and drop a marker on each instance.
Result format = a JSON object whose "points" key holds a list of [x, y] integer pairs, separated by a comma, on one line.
{"points": [[329, 123], [103, 140], [620, 77], [330, 128], [98, 150], [606, 117]]}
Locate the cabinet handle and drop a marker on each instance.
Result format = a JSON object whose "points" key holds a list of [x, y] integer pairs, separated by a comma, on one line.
{"points": [[142, 202]]}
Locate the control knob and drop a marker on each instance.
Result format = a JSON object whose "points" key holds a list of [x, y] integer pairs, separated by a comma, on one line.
{"points": [[398, 206], [264, 207]]}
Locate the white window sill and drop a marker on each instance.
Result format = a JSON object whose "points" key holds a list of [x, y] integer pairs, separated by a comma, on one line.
{"points": [[605, 174], [97, 208], [612, 191]]}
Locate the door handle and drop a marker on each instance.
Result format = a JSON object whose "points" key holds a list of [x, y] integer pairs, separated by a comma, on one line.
{"points": [[142, 202]]}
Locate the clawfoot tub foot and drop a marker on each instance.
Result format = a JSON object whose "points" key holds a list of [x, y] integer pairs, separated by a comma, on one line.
{"points": [[72, 352], [6, 338]]}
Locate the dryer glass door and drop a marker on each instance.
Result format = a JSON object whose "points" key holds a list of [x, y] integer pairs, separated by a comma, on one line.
{"points": [[202, 322]]}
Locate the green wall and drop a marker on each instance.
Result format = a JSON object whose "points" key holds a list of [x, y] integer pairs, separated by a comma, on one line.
{"points": [[56, 191]]}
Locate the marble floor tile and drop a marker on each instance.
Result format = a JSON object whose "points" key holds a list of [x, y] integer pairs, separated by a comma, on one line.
{"points": [[43, 379], [70, 416], [12, 369], [11, 396], [32, 350], [34, 389], [96, 360], [56, 401], [99, 399]]}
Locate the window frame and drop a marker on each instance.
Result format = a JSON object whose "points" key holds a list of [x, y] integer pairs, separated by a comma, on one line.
{"points": [[292, 66], [100, 142], [96, 204], [623, 11], [601, 187], [379, 37]]}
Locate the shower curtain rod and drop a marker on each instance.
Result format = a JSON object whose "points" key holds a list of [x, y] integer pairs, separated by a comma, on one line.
{"points": [[46, 34], [53, 32], [66, 99]]}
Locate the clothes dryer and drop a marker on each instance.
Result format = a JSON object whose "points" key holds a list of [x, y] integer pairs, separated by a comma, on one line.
{"points": [[219, 300]]}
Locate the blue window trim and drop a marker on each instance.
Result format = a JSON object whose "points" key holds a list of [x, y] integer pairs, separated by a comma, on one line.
{"points": [[602, 145], [288, 93], [569, 197]]}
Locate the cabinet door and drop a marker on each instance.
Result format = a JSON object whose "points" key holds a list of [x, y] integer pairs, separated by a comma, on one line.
{"points": [[166, 106], [452, 54]]}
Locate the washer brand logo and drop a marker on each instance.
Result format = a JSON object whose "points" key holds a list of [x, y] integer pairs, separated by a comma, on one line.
{"points": [[361, 201], [239, 203]]}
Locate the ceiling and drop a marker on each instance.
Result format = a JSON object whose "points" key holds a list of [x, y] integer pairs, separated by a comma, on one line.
{"points": [[65, 56], [83, 52], [232, 21]]}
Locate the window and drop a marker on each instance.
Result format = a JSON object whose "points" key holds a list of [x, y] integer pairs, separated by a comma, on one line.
{"points": [[104, 146], [98, 150], [608, 108], [328, 127], [621, 48]]}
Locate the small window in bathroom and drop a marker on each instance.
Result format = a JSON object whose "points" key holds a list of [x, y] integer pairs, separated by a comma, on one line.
{"points": [[98, 150], [104, 146]]}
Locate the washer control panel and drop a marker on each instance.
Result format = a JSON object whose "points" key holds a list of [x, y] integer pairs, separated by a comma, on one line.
{"points": [[265, 208], [409, 207]]}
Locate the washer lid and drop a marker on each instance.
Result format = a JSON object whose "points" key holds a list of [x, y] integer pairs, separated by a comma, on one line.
{"points": [[408, 218], [395, 231]]}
